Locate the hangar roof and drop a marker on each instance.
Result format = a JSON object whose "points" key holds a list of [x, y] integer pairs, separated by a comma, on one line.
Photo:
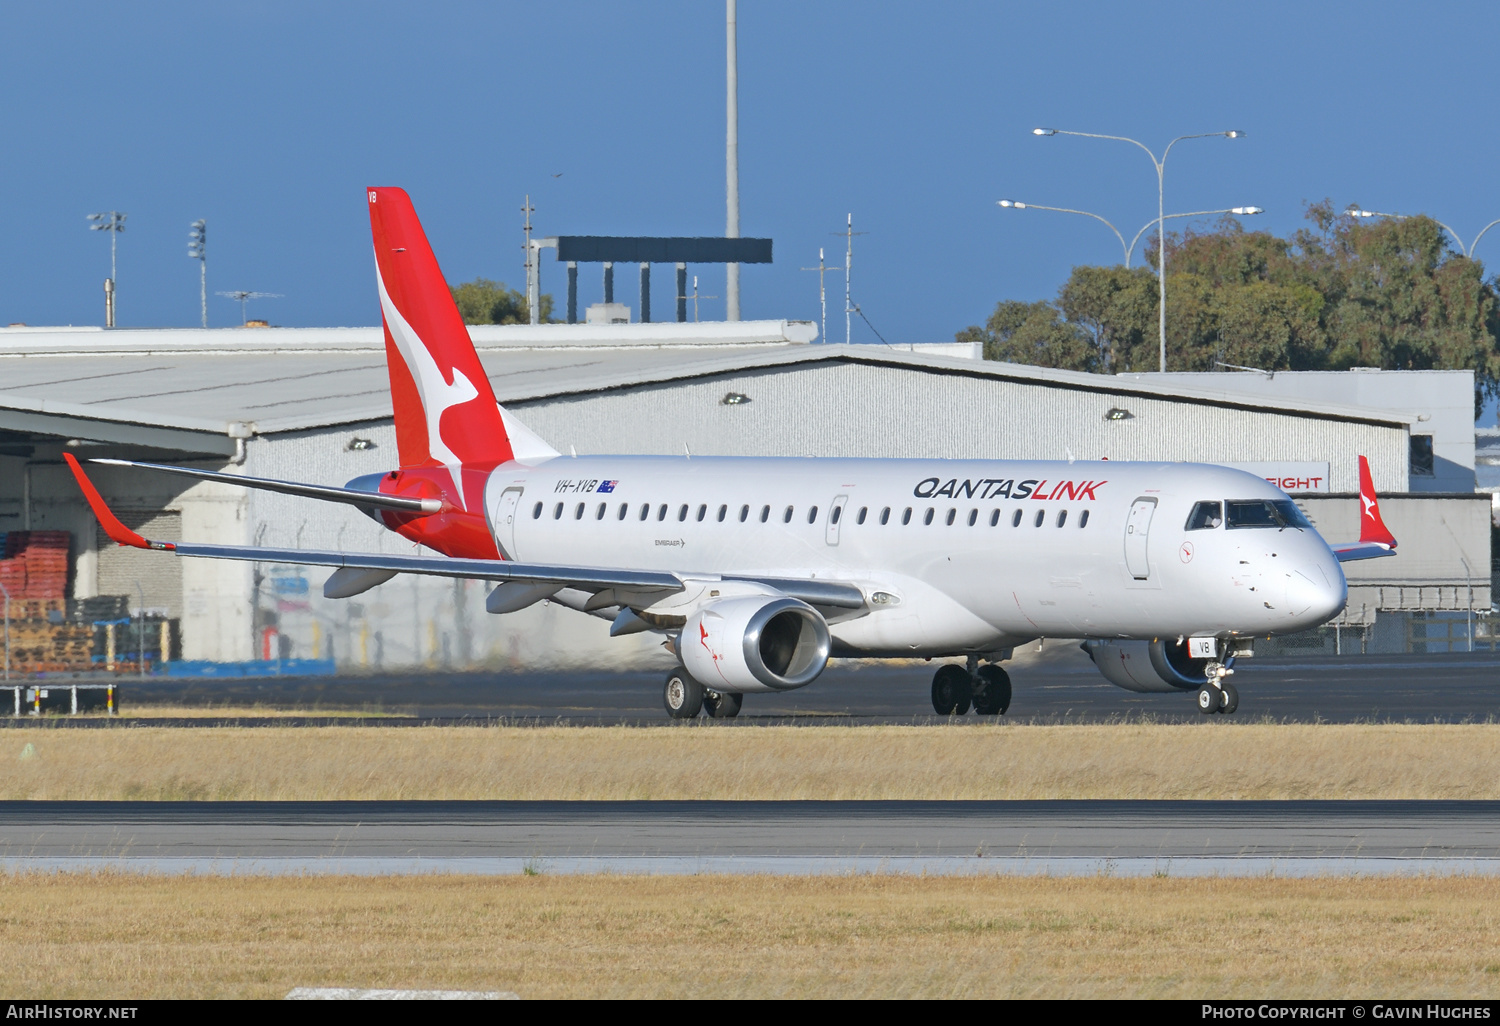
{"points": [[194, 390]]}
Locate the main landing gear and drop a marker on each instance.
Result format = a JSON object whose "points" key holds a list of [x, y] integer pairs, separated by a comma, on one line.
{"points": [[955, 688], [684, 698], [1218, 695]]}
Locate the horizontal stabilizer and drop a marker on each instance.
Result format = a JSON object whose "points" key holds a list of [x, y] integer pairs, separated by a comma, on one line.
{"points": [[372, 500], [1350, 551]]}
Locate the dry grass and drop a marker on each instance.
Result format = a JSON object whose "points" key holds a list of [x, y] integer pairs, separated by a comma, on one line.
{"points": [[132, 936], [1209, 760]]}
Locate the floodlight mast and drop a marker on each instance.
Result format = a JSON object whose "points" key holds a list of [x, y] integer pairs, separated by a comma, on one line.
{"points": [[112, 221], [1161, 212], [198, 250], [732, 156]]}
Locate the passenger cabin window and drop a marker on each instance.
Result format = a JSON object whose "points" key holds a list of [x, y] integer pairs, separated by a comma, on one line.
{"points": [[906, 517], [536, 512], [661, 512], [812, 515], [765, 514], [1041, 515], [952, 514], [599, 513], [973, 517], [1205, 516], [624, 509], [557, 512], [645, 510], [885, 516], [682, 513], [578, 513], [723, 512], [702, 511], [835, 514], [786, 518], [1250, 513], [862, 511], [744, 513], [1083, 519], [1015, 521], [1062, 517], [995, 518]]}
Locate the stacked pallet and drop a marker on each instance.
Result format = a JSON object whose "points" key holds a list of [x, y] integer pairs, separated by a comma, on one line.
{"points": [[40, 646], [34, 569], [34, 564]]}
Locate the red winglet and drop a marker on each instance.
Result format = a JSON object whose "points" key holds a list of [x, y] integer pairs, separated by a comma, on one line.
{"points": [[1372, 529], [111, 523]]}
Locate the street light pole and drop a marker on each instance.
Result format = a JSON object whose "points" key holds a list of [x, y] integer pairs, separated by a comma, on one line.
{"points": [[1161, 210], [113, 222], [1130, 249], [1355, 211]]}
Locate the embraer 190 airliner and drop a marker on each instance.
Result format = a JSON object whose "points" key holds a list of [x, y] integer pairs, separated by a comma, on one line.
{"points": [[757, 570]]}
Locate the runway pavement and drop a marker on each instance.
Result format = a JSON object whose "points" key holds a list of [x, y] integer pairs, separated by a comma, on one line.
{"points": [[1189, 838], [1422, 688]]}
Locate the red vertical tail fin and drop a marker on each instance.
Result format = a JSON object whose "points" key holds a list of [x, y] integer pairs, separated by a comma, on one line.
{"points": [[445, 409], [1371, 527]]}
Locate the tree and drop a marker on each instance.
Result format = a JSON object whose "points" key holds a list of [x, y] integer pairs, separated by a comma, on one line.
{"points": [[1343, 292], [1117, 307], [1033, 333], [482, 301]]}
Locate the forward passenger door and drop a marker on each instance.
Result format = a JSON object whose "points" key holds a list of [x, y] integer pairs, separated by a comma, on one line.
{"points": [[1137, 533]]}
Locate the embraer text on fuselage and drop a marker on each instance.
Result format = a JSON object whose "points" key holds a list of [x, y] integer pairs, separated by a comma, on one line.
{"points": [[998, 488]]}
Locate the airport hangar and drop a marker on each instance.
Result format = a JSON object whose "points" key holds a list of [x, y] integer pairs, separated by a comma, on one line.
{"points": [[313, 405]]}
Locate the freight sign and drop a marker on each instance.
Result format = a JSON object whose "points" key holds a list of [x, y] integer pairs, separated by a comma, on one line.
{"points": [[1289, 477]]}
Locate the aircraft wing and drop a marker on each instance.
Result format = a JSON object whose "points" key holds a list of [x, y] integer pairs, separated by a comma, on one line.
{"points": [[353, 496], [1347, 551], [1375, 539], [598, 580]]}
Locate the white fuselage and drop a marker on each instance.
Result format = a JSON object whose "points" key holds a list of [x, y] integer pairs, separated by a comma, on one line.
{"points": [[953, 556]]}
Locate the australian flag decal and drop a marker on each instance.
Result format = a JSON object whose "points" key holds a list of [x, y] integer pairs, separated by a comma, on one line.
{"points": [[607, 486]]}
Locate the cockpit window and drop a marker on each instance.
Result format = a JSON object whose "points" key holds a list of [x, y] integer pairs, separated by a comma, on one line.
{"points": [[1205, 516], [1278, 513]]}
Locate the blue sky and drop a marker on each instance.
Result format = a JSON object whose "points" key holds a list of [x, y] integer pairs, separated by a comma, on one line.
{"points": [[268, 119]]}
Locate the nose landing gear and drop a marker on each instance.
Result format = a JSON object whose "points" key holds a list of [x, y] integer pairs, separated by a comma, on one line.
{"points": [[1218, 695]]}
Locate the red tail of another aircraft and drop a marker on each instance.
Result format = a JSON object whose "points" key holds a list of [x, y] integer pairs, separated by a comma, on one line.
{"points": [[1372, 527], [445, 410]]}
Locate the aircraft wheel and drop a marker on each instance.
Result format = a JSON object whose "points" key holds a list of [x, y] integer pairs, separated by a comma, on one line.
{"points": [[1231, 700], [682, 695], [992, 693], [951, 690], [722, 705], [1209, 700]]}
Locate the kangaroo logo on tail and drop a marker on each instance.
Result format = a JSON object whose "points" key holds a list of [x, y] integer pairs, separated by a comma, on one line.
{"points": [[446, 414]]}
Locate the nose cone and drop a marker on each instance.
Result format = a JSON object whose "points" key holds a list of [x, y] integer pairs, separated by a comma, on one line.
{"points": [[1316, 592]]}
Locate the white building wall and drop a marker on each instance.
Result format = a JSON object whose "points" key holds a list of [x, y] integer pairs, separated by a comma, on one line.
{"points": [[1441, 403], [846, 409]]}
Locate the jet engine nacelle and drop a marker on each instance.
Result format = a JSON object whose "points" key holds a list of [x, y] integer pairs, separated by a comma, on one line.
{"points": [[1161, 665], [755, 643]]}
